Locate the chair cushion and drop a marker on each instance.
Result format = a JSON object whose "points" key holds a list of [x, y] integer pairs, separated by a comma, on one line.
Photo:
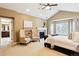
{"points": [[28, 40]]}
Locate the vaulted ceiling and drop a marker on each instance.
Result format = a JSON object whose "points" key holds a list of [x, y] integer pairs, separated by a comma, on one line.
{"points": [[34, 9]]}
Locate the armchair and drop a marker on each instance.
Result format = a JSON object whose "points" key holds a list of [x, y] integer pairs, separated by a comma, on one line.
{"points": [[23, 37], [35, 35]]}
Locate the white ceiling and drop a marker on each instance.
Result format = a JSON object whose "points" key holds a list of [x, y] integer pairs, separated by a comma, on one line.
{"points": [[36, 11]]}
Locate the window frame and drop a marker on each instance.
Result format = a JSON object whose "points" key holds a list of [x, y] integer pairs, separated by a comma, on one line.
{"points": [[70, 26]]}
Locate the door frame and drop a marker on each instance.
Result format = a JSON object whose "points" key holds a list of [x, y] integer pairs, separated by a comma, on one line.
{"points": [[13, 25]]}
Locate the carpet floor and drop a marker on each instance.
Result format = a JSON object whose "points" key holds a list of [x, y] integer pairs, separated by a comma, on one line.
{"points": [[31, 49]]}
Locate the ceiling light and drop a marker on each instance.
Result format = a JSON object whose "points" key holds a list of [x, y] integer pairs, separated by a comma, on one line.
{"points": [[27, 10], [78, 4], [48, 7], [40, 14]]}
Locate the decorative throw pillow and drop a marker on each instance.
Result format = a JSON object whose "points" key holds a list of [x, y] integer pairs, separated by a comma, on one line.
{"points": [[70, 36], [75, 37], [28, 39]]}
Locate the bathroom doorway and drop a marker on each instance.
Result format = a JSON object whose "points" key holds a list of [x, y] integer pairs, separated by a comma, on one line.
{"points": [[6, 31]]}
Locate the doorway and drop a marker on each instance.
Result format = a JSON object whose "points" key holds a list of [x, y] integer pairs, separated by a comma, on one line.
{"points": [[6, 31]]}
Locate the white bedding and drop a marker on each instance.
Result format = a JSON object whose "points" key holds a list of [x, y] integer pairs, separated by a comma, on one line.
{"points": [[64, 42], [50, 38], [60, 37]]}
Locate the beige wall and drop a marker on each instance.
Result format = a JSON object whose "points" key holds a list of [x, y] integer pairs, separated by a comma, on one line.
{"points": [[19, 18], [64, 14], [61, 15]]}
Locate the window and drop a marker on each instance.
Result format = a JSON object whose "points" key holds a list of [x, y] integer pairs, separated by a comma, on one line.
{"points": [[52, 28], [63, 27]]}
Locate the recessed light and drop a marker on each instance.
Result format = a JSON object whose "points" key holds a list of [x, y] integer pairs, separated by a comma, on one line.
{"points": [[27, 10], [40, 14], [77, 4]]}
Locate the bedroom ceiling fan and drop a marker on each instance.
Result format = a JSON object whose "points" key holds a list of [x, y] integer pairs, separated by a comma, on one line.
{"points": [[47, 5]]}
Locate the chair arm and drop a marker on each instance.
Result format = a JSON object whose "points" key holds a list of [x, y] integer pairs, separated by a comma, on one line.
{"points": [[22, 40]]}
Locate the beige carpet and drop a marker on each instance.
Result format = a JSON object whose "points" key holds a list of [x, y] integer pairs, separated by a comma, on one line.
{"points": [[32, 49], [1, 52]]}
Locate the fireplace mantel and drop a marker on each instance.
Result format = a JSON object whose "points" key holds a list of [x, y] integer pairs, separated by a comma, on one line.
{"points": [[42, 29]]}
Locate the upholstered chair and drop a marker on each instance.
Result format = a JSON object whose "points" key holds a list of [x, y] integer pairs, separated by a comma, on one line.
{"points": [[22, 37], [35, 35]]}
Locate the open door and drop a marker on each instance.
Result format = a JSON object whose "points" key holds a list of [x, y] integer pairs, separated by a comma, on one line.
{"points": [[6, 31]]}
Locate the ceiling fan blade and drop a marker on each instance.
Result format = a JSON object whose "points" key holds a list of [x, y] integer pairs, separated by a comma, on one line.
{"points": [[43, 7], [42, 4], [53, 5], [47, 5]]}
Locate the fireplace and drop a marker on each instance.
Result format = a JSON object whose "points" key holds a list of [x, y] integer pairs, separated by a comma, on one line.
{"points": [[42, 34]]}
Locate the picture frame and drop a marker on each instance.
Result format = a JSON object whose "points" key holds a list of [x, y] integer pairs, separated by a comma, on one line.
{"points": [[28, 24]]}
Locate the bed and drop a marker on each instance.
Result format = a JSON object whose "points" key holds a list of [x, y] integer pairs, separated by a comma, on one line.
{"points": [[63, 41]]}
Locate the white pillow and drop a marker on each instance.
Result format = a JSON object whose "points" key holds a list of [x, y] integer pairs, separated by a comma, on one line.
{"points": [[75, 36], [70, 36], [28, 40]]}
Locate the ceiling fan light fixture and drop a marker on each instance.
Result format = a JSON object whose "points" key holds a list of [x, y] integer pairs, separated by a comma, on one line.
{"points": [[48, 7], [41, 14], [27, 10]]}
